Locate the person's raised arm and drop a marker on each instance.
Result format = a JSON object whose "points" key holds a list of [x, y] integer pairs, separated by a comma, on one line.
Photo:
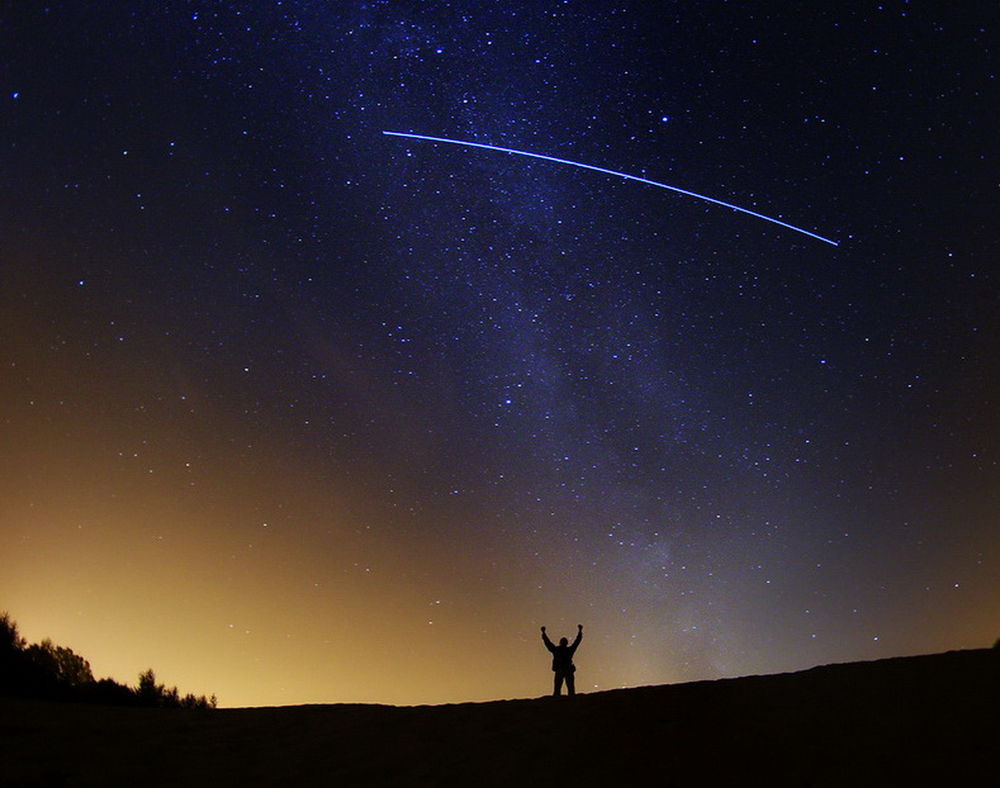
{"points": [[579, 636], [546, 641]]}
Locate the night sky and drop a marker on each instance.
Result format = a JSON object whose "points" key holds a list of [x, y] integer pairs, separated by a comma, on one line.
{"points": [[294, 411]]}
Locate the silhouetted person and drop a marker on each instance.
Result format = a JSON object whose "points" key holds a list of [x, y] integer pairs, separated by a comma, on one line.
{"points": [[562, 661]]}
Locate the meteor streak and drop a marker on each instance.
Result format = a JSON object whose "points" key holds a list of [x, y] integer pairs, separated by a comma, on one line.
{"points": [[616, 174]]}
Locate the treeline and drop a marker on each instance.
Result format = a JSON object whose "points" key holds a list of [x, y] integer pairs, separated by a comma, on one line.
{"points": [[44, 670]]}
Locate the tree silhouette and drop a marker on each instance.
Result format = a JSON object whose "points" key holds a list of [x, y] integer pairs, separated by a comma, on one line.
{"points": [[45, 670], [149, 691], [10, 639], [61, 663]]}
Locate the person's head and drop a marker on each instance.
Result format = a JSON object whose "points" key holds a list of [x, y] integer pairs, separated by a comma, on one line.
{"points": [[563, 642]]}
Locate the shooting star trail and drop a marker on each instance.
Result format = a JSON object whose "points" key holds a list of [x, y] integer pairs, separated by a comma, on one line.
{"points": [[616, 174]]}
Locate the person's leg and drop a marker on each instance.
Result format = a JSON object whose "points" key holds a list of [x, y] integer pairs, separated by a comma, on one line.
{"points": [[557, 683], [570, 684]]}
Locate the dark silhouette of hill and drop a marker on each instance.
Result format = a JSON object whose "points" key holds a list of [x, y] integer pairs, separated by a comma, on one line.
{"points": [[909, 721]]}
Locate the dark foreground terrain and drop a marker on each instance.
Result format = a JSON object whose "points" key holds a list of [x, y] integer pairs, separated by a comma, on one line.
{"points": [[928, 720]]}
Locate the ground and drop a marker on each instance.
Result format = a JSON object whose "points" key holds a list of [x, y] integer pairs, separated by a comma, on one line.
{"points": [[926, 720]]}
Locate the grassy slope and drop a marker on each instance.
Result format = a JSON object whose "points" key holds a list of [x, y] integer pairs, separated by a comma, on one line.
{"points": [[928, 720]]}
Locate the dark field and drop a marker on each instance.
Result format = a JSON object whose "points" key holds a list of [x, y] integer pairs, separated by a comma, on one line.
{"points": [[927, 720]]}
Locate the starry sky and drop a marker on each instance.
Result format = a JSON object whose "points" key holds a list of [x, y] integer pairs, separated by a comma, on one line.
{"points": [[293, 411]]}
